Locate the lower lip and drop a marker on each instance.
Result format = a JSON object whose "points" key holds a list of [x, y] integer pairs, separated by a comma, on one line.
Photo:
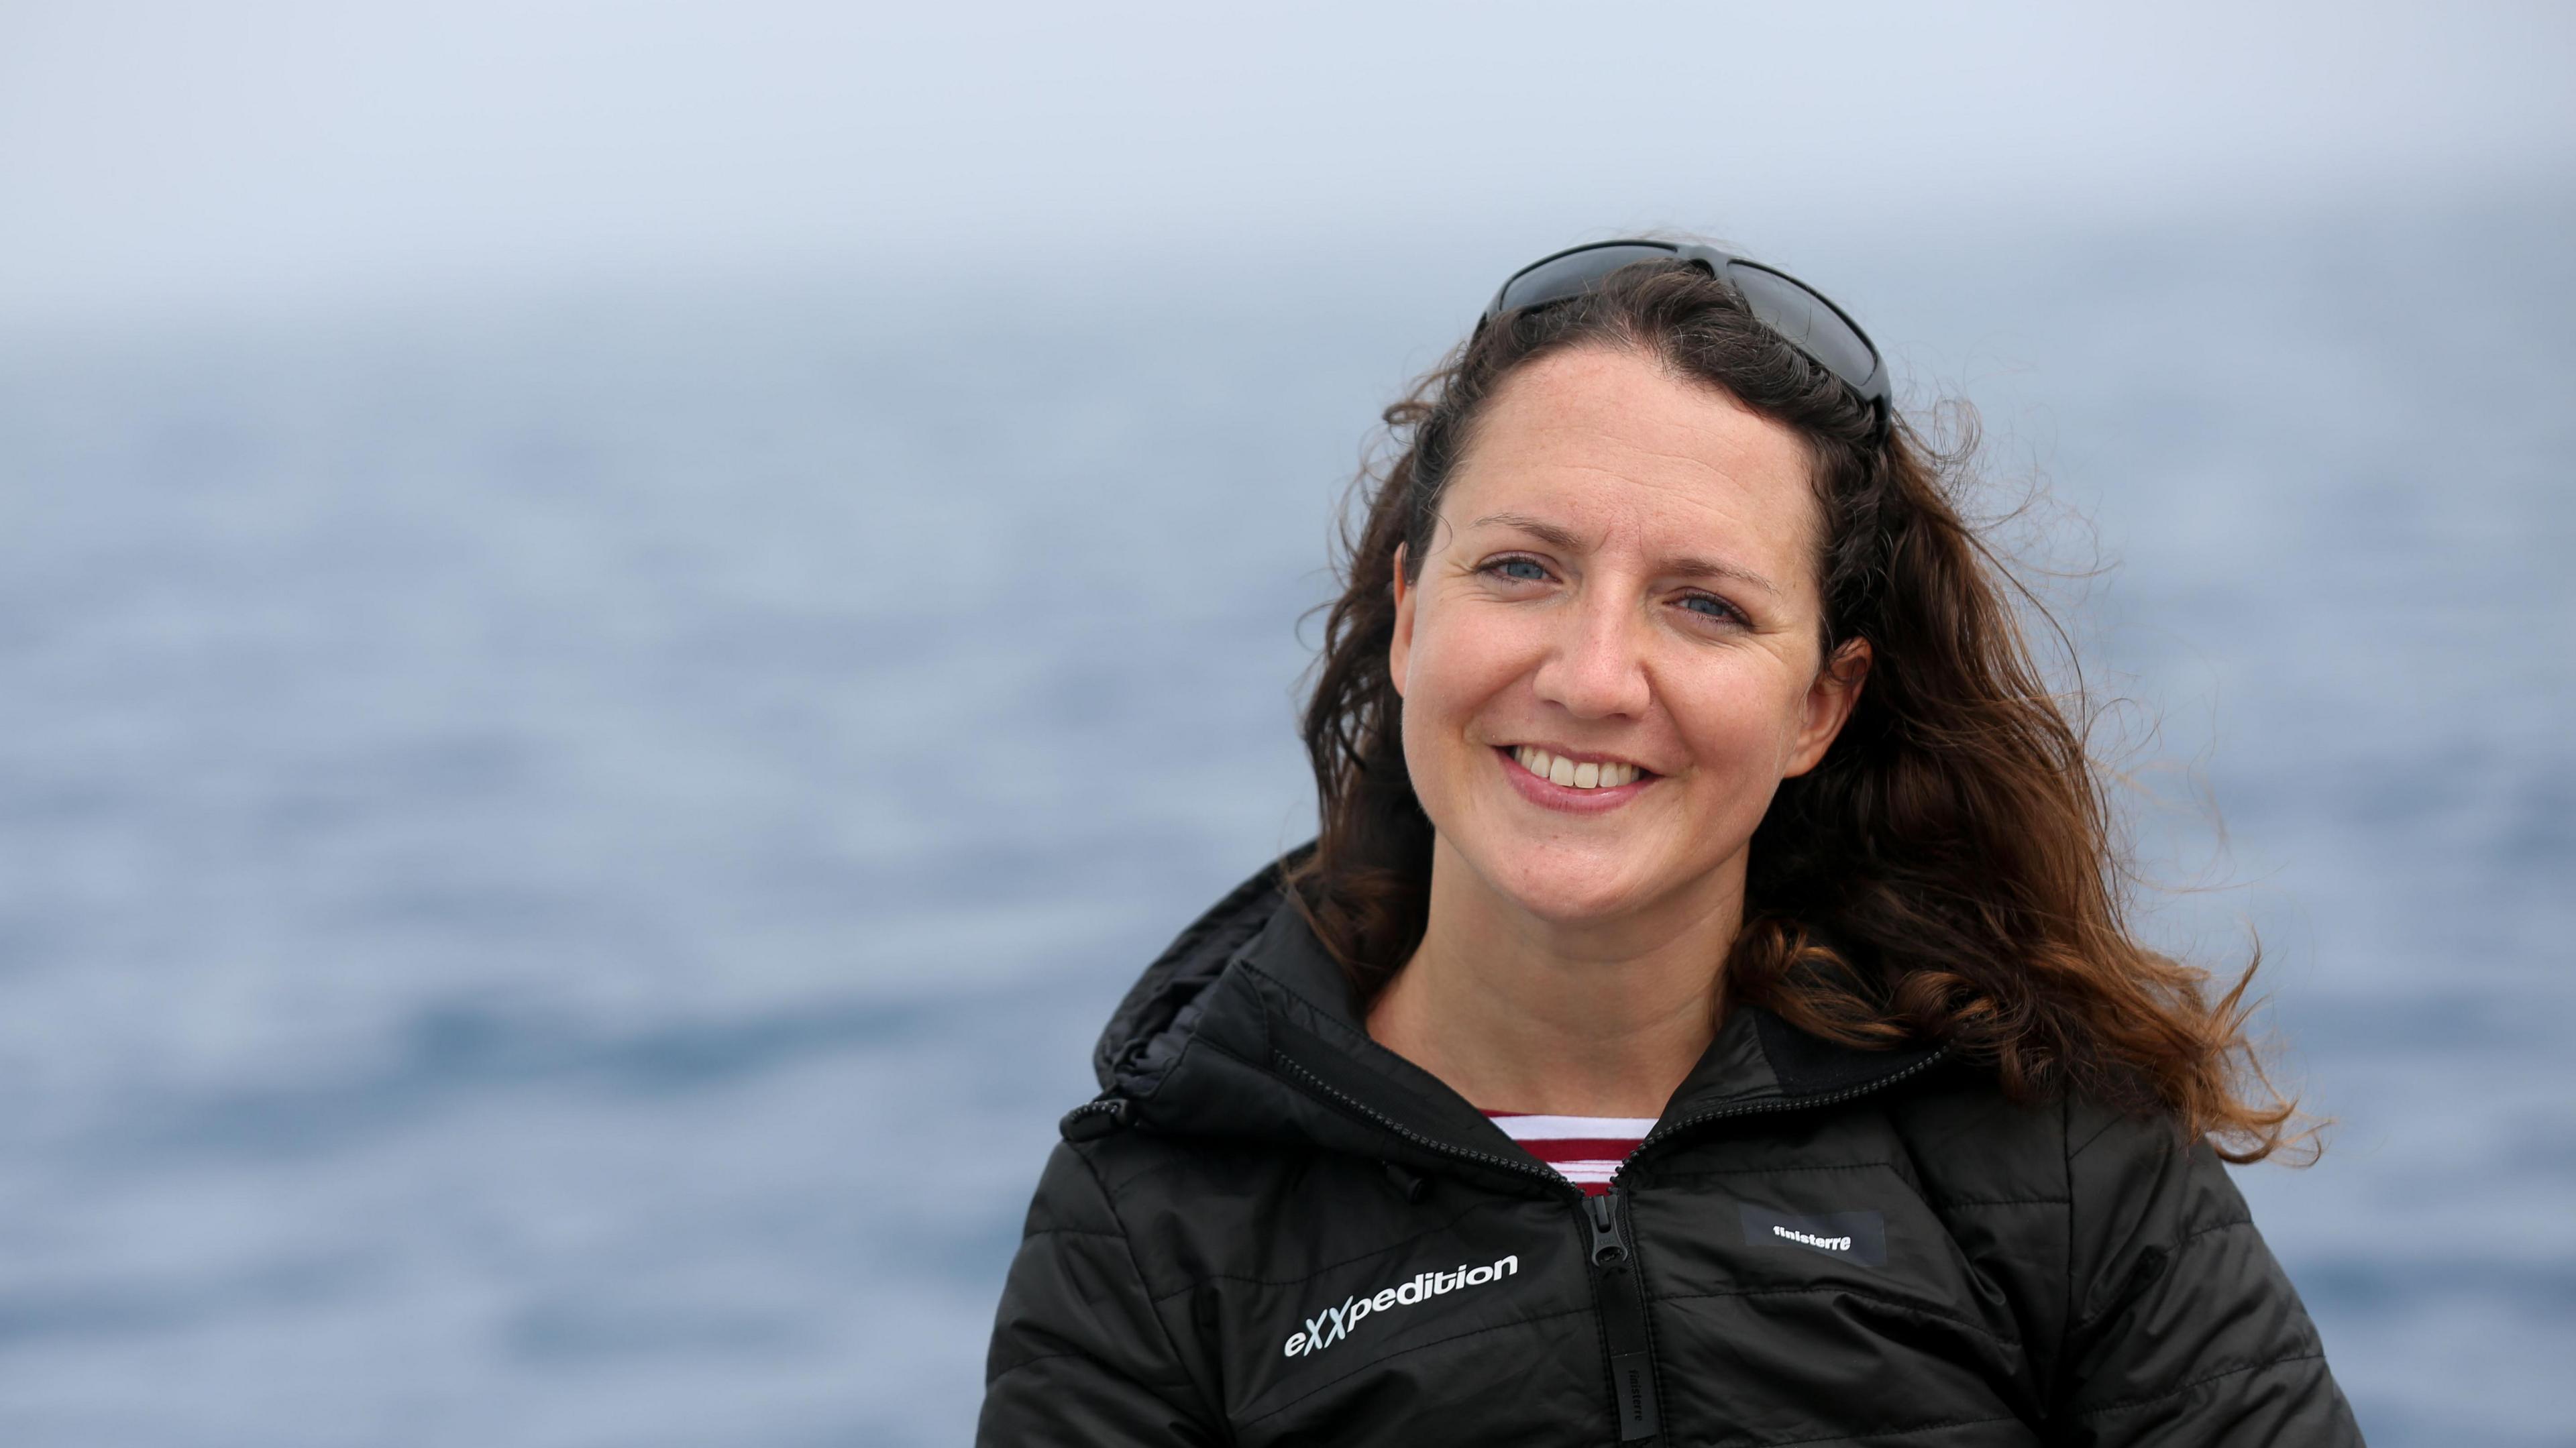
{"points": [[1539, 790]]}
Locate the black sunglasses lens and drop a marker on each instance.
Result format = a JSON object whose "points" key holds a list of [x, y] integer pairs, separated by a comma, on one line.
{"points": [[1798, 314], [1569, 275], [1785, 305]]}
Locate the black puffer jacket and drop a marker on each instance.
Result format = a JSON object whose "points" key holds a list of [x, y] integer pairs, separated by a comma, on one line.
{"points": [[1270, 1229]]}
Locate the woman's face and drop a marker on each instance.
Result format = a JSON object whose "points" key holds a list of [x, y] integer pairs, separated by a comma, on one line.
{"points": [[1623, 579]]}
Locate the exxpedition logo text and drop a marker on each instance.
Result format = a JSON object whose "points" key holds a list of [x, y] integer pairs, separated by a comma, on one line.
{"points": [[1335, 1323]]}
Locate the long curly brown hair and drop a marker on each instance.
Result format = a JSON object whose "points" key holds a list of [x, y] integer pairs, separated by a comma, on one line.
{"points": [[1950, 872]]}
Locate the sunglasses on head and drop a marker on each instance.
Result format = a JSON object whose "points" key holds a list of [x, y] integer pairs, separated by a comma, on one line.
{"points": [[1798, 312]]}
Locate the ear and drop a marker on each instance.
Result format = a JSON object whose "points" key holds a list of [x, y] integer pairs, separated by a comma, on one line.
{"points": [[1829, 704], [1399, 648]]}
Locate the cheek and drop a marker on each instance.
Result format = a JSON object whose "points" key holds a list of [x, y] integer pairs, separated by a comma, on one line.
{"points": [[1737, 720], [1459, 663]]}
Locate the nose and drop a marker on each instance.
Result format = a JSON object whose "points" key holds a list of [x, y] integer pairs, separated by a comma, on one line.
{"points": [[1595, 667]]}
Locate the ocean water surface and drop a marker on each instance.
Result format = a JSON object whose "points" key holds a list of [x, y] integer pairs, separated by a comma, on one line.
{"points": [[560, 857]]}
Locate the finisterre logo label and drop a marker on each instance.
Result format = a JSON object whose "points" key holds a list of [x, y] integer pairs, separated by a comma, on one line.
{"points": [[1335, 1323], [1855, 1235], [1830, 1244]]}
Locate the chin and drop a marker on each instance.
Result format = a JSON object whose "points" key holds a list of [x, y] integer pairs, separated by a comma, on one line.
{"points": [[1568, 889]]}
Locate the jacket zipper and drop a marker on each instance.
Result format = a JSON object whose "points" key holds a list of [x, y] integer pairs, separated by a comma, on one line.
{"points": [[1619, 1292], [1619, 1288], [1621, 1300], [1663, 1134], [1545, 1175]]}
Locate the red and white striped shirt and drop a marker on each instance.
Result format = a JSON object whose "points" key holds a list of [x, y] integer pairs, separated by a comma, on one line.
{"points": [[1585, 1150]]}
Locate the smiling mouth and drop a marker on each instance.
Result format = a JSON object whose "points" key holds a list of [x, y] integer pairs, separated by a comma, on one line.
{"points": [[1558, 770]]}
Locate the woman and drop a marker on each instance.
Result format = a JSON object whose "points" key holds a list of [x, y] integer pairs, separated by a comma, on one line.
{"points": [[1706, 1014]]}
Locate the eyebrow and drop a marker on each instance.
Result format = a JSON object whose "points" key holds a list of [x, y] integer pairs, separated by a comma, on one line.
{"points": [[1566, 540]]}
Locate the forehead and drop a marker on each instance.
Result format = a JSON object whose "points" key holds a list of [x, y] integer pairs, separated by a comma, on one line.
{"points": [[1612, 445]]}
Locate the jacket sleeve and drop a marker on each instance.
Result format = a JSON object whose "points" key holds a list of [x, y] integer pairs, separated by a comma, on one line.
{"points": [[1079, 1354], [2182, 1328]]}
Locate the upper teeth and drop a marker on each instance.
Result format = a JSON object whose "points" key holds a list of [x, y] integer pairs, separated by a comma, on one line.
{"points": [[1558, 770]]}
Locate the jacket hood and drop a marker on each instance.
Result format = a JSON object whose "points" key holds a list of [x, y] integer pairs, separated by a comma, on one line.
{"points": [[1245, 1027]]}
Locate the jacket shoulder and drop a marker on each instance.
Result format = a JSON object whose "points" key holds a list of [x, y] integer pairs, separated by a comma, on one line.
{"points": [[2145, 1198], [1082, 1350], [1970, 1146], [1191, 1206], [2181, 1325], [2121, 1183]]}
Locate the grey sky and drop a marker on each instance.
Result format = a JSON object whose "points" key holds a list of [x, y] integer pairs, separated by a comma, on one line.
{"points": [[184, 156]]}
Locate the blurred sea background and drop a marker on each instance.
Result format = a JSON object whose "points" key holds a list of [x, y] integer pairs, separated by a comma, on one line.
{"points": [[571, 803]]}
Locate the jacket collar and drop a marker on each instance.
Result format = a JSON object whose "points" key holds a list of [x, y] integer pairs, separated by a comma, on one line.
{"points": [[1246, 1027]]}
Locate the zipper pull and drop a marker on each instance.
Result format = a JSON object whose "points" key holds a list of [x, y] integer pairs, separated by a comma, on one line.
{"points": [[1094, 1119], [1603, 1211], [1622, 1300]]}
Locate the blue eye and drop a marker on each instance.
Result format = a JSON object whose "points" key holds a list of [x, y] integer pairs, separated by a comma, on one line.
{"points": [[1524, 570], [1716, 608]]}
